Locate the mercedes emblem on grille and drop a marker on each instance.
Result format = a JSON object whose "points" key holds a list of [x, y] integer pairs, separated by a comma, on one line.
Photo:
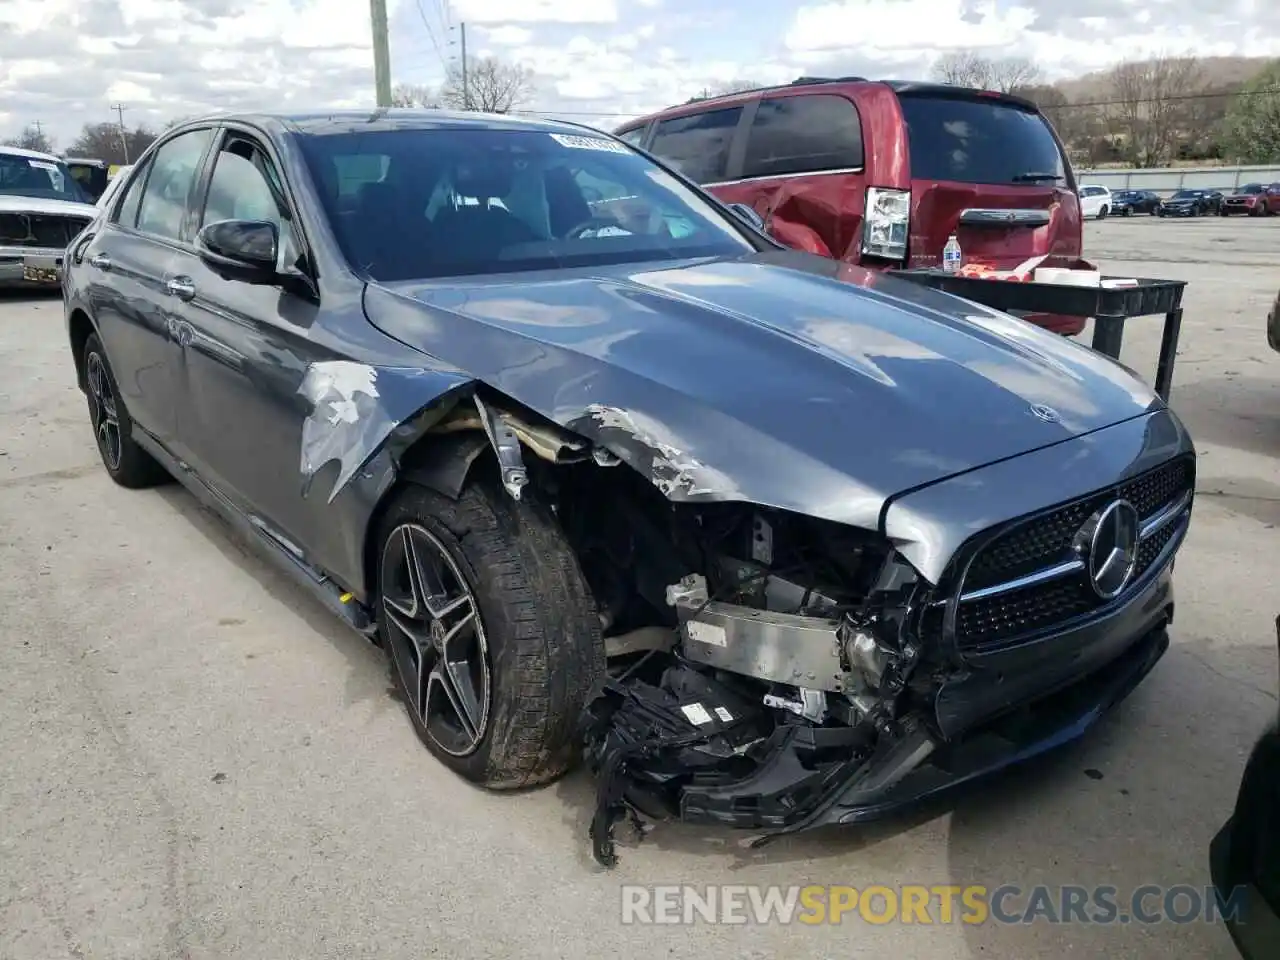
{"points": [[1112, 548], [1047, 414]]}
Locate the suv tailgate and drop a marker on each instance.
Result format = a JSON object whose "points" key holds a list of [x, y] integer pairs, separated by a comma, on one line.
{"points": [[989, 169]]}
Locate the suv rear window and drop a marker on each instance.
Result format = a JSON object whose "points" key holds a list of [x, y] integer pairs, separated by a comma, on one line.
{"points": [[804, 134], [980, 141], [698, 145]]}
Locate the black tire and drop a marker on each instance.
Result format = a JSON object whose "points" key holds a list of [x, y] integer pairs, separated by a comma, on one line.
{"points": [[126, 463], [538, 629], [1128, 212], [1102, 213]]}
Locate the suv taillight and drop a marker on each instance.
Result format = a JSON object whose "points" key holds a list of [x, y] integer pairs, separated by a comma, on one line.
{"points": [[884, 234]]}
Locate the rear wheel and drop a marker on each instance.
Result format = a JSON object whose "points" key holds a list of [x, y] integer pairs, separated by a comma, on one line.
{"points": [[492, 636], [127, 463], [1102, 213], [1128, 212]]}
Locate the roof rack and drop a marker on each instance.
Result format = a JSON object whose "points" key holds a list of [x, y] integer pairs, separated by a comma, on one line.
{"points": [[802, 81]]}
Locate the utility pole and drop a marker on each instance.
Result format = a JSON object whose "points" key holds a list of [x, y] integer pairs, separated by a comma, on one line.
{"points": [[466, 89], [39, 129], [124, 139], [381, 52]]}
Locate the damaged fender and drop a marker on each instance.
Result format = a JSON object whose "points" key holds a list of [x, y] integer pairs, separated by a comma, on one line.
{"points": [[355, 408]]}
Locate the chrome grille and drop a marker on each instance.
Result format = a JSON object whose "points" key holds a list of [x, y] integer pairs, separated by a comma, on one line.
{"points": [[1031, 579]]}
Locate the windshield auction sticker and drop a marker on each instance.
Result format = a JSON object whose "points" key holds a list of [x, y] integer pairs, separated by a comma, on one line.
{"points": [[588, 143]]}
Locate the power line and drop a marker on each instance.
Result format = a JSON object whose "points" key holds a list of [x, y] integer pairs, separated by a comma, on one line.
{"points": [[431, 34]]}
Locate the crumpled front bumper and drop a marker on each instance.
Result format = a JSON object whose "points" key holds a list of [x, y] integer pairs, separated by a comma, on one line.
{"points": [[1015, 706]]}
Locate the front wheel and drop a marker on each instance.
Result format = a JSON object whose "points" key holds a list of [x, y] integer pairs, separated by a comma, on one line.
{"points": [[1128, 211], [491, 633]]}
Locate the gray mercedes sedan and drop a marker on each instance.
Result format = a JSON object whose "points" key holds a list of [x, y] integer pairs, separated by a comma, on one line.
{"points": [[769, 540]]}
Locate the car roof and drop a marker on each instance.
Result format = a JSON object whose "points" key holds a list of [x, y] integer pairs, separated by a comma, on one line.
{"points": [[323, 122], [30, 154], [897, 86]]}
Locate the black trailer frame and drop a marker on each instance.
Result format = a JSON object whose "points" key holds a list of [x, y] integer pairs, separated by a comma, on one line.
{"points": [[1109, 307]]}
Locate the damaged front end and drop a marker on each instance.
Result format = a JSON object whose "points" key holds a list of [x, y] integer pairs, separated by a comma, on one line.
{"points": [[816, 678], [785, 684]]}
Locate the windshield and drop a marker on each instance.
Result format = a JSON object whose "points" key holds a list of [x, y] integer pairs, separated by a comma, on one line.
{"points": [[418, 204], [45, 179], [980, 141], [1188, 194], [1249, 188]]}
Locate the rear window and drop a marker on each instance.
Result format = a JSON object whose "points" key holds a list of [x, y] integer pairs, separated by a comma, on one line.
{"points": [[805, 134], [698, 145], [980, 141]]}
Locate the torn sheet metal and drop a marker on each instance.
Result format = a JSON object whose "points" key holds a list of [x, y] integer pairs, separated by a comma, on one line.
{"points": [[506, 445], [355, 407], [674, 472]]}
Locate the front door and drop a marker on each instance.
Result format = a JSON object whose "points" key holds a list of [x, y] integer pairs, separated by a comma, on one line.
{"points": [[245, 349]]}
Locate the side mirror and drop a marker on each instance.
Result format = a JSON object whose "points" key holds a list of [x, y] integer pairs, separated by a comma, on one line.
{"points": [[244, 250], [745, 212]]}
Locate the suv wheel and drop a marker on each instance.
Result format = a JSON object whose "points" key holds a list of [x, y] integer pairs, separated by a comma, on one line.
{"points": [[127, 463], [492, 635], [1102, 213]]}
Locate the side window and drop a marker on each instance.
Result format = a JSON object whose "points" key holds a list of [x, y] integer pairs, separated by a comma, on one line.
{"points": [[698, 146], [126, 214], [167, 195], [244, 186], [633, 137], [805, 134]]}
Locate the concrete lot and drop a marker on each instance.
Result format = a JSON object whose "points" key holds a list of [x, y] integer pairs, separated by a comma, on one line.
{"points": [[197, 762]]}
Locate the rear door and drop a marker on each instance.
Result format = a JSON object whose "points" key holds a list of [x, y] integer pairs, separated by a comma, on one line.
{"points": [[802, 169], [990, 170]]}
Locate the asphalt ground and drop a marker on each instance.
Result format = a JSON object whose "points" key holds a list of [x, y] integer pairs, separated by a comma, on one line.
{"points": [[196, 761]]}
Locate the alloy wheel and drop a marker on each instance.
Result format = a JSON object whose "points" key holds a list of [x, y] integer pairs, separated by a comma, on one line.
{"points": [[102, 411], [437, 639]]}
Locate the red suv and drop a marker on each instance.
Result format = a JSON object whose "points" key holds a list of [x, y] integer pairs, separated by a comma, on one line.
{"points": [[882, 173], [1255, 199]]}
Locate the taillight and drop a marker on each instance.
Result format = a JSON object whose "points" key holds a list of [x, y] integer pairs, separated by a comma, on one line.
{"points": [[888, 215]]}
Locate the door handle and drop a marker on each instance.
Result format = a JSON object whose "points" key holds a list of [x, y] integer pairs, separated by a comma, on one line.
{"points": [[101, 261], [181, 287]]}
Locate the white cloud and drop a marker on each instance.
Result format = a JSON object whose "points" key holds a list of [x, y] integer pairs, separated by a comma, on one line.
{"points": [[64, 62], [535, 11], [508, 35]]}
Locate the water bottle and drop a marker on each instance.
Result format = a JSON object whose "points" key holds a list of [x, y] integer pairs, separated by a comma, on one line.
{"points": [[951, 255]]}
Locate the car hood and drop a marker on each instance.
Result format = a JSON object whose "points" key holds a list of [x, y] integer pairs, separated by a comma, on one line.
{"points": [[12, 204], [778, 378]]}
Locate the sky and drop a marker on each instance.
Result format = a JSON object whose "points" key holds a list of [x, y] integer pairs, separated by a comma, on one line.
{"points": [[66, 62]]}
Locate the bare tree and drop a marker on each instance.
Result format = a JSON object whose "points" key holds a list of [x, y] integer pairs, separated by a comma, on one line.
{"points": [[31, 138], [413, 95], [102, 141], [1150, 106], [492, 86], [968, 68]]}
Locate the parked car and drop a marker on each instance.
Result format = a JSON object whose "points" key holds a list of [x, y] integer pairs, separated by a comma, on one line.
{"points": [[502, 441], [1254, 199], [1126, 203], [112, 186], [1244, 857], [882, 173], [92, 175], [42, 207], [1095, 202], [1187, 203]]}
